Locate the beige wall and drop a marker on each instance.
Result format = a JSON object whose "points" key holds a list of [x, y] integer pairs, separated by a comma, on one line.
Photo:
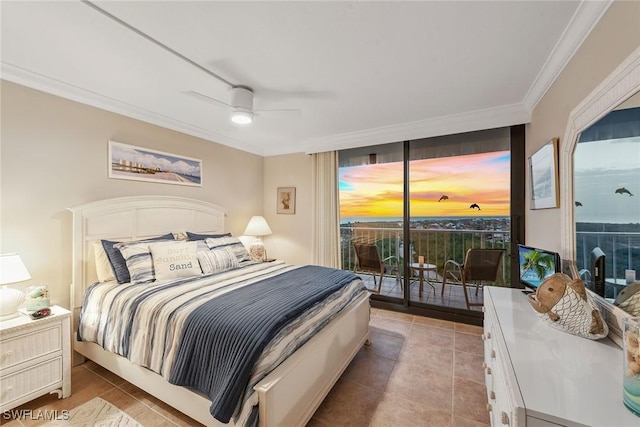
{"points": [[54, 156], [291, 238], [612, 40]]}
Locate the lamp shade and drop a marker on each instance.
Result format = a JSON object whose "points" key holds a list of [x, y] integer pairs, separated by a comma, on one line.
{"points": [[12, 269], [257, 227]]}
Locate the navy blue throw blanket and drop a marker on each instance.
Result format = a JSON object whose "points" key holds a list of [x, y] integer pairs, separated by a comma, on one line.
{"points": [[224, 337]]}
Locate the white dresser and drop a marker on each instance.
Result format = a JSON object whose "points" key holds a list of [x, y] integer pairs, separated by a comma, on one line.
{"points": [[539, 376], [35, 358]]}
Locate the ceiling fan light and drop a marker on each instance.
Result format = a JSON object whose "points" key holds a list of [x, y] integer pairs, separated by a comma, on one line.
{"points": [[241, 117]]}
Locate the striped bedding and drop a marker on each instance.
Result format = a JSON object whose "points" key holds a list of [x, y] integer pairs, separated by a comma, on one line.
{"points": [[145, 322]]}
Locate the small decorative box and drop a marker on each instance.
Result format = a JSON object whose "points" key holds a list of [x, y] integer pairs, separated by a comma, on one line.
{"points": [[37, 297]]}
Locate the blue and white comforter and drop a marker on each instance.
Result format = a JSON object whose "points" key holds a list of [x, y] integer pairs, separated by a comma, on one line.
{"points": [[146, 323]]}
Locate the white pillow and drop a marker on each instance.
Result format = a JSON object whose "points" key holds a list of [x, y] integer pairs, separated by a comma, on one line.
{"points": [[173, 260], [103, 266]]}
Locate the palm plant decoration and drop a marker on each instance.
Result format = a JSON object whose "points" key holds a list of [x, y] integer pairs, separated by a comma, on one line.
{"points": [[538, 263]]}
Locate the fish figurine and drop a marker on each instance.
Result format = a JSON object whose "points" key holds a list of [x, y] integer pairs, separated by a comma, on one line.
{"points": [[563, 303], [628, 299]]}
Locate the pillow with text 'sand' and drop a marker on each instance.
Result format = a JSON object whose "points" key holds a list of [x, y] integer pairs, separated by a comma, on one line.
{"points": [[118, 262], [174, 260], [217, 260]]}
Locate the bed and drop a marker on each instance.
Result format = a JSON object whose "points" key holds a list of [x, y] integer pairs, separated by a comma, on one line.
{"points": [[289, 394]]}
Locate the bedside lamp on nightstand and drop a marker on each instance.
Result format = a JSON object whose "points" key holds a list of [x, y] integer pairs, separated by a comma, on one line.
{"points": [[257, 227], [12, 270]]}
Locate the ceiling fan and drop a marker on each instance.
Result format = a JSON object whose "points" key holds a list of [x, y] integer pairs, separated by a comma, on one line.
{"points": [[241, 99], [240, 103]]}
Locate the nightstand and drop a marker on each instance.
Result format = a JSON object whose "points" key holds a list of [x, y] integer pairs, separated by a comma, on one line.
{"points": [[35, 357]]}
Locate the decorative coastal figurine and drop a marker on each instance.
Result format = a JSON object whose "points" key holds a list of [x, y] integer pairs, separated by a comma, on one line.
{"points": [[629, 299], [563, 303], [37, 298]]}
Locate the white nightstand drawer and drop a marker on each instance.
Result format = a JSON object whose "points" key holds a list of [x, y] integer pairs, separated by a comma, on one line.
{"points": [[31, 380], [31, 345]]}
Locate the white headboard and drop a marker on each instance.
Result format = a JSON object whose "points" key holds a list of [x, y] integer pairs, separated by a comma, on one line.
{"points": [[132, 218]]}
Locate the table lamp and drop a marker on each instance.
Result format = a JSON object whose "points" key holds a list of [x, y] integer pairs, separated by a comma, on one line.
{"points": [[12, 270], [257, 227]]}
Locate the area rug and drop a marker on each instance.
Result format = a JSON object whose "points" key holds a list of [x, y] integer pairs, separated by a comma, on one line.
{"points": [[95, 413]]}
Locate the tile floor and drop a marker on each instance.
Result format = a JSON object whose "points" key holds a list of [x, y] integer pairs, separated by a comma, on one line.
{"points": [[416, 372]]}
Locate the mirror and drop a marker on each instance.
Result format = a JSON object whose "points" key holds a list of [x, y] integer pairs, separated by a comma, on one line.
{"points": [[606, 185], [617, 88]]}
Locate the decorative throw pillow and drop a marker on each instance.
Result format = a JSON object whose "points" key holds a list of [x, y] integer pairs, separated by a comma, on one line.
{"points": [[103, 267], [118, 262], [137, 256], [217, 260], [232, 243], [173, 260], [197, 236]]}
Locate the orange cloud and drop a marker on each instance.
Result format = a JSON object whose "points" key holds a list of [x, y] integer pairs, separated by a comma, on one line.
{"points": [[377, 190]]}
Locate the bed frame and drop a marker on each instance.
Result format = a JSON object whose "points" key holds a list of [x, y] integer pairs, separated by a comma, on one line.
{"points": [[289, 395]]}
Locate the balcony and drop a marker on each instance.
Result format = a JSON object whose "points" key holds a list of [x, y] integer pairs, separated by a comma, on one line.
{"points": [[436, 246], [622, 252]]}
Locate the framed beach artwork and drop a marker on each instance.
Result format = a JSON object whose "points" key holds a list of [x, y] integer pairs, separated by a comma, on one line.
{"points": [[143, 164], [286, 200], [543, 168]]}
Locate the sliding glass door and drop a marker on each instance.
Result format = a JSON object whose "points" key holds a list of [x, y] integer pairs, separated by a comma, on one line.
{"points": [[459, 189], [423, 204]]}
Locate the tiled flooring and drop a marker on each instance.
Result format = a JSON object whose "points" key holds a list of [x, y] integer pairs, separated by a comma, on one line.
{"points": [[416, 372]]}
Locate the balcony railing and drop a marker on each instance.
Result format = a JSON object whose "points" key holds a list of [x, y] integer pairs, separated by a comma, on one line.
{"points": [[621, 249], [437, 246]]}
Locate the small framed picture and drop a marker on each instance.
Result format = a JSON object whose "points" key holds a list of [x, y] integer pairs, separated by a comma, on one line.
{"points": [[543, 167], [286, 200]]}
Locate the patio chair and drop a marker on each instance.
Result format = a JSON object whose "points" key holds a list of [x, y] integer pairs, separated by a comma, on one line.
{"points": [[479, 265], [368, 259]]}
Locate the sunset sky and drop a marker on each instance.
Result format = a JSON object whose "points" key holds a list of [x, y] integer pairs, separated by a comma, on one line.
{"points": [[376, 190]]}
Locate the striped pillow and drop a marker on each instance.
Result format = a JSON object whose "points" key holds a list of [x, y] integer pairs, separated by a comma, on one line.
{"points": [[118, 263], [137, 256], [217, 260], [232, 243]]}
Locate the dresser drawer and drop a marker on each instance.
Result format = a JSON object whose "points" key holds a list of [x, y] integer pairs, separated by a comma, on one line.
{"points": [[32, 380], [30, 345]]}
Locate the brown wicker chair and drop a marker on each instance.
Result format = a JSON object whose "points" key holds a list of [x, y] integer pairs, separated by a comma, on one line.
{"points": [[480, 265], [368, 259]]}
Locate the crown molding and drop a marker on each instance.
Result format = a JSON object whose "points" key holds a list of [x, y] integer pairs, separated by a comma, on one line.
{"points": [[583, 21], [65, 90], [446, 125]]}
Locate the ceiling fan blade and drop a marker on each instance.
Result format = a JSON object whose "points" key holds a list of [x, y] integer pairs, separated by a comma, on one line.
{"points": [[280, 110], [206, 98]]}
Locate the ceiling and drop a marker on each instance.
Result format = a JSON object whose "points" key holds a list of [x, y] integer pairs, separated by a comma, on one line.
{"points": [[354, 73]]}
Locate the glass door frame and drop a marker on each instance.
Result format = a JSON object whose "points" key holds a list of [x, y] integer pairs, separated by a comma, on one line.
{"points": [[517, 227]]}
